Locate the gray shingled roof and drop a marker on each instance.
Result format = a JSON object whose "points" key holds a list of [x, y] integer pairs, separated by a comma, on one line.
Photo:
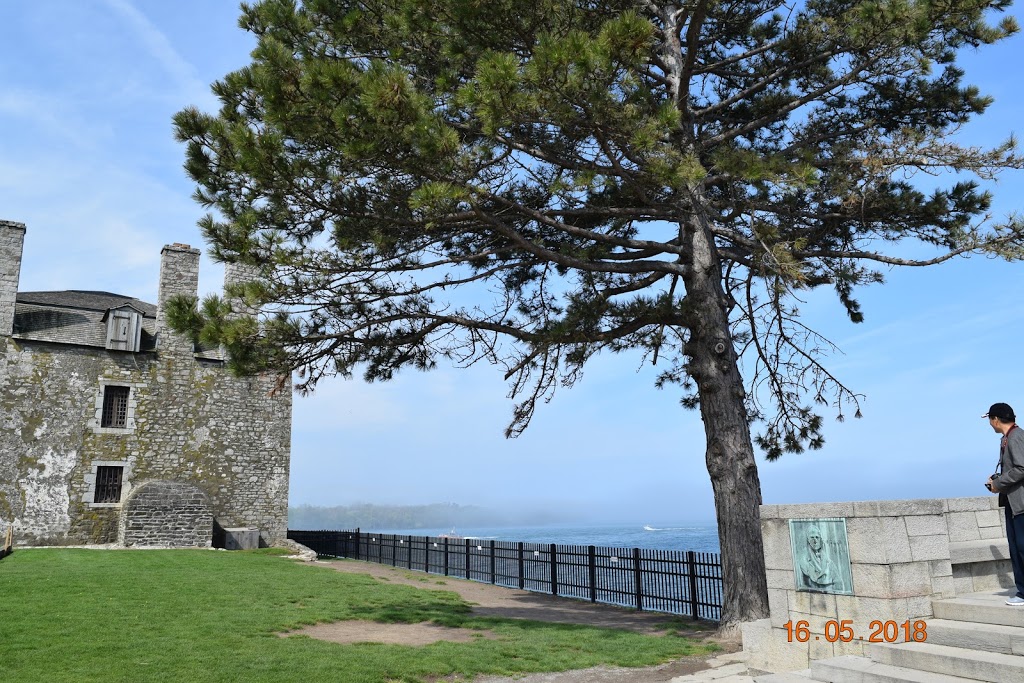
{"points": [[87, 300], [76, 317]]}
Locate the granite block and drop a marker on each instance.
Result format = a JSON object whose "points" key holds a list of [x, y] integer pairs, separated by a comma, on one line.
{"points": [[865, 508], [963, 526], [905, 508], [780, 578], [863, 533], [778, 551], [862, 611], [973, 504], [770, 650], [989, 518], [893, 537], [926, 525], [912, 579], [929, 547], [815, 510], [778, 606], [817, 604]]}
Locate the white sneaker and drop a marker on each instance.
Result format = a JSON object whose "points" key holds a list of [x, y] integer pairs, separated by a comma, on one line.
{"points": [[1016, 601]]}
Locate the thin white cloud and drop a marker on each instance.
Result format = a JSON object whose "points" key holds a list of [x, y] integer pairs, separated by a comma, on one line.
{"points": [[92, 224], [183, 73], [32, 110]]}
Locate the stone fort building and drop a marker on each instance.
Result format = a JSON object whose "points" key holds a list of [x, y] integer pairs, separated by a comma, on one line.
{"points": [[116, 429]]}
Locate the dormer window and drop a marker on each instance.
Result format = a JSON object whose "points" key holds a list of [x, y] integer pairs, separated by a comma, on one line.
{"points": [[124, 328]]}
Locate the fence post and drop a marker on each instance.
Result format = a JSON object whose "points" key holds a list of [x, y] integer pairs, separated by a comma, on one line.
{"points": [[691, 560], [468, 563], [522, 568], [592, 553], [494, 573], [638, 579], [394, 550], [358, 542], [554, 570], [446, 556], [426, 554], [408, 551]]}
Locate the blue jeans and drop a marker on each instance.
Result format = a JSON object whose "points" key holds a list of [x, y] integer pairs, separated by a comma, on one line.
{"points": [[1015, 535]]}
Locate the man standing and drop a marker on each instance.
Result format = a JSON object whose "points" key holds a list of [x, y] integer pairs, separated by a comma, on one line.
{"points": [[1009, 484]]}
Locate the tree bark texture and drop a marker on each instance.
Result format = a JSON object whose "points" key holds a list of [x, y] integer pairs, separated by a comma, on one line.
{"points": [[713, 365]]}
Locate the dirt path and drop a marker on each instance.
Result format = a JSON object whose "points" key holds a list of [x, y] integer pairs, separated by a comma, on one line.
{"points": [[510, 603]]}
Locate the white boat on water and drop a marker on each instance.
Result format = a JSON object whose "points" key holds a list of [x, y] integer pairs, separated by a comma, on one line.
{"points": [[648, 527], [453, 536]]}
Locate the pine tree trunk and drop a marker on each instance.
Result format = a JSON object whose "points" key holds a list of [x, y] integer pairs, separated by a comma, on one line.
{"points": [[713, 365]]}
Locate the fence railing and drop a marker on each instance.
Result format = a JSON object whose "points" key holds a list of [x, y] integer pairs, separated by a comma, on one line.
{"points": [[674, 581]]}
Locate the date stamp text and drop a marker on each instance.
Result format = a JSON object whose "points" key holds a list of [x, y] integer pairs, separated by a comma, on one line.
{"points": [[842, 631]]}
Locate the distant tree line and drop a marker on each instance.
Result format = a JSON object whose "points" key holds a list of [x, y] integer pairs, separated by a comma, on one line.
{"points": [[432, 516]]}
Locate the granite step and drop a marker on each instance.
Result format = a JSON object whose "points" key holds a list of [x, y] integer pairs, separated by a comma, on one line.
{"points": [[853, 669], [803, 676], [994, 667], [982, 608], [966, 552], [975, 636], [730, 673]]}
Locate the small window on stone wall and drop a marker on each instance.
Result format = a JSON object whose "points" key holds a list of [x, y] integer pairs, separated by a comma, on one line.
{"points": [[108, 484], [115, 407]]}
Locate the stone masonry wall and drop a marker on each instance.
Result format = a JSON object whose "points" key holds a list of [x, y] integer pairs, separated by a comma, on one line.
{"points": [[193, 423], [188, 421], [166, 513]]}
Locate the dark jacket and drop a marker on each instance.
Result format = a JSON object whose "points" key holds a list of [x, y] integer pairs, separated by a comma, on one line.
{"points": [[1011, 467]]}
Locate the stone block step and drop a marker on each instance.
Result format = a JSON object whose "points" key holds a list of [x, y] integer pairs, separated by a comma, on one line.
{"points": [[730, 673], [983, 608], [852, 669], [994, 667], [964, 552], [803, 676], [974, 636]]}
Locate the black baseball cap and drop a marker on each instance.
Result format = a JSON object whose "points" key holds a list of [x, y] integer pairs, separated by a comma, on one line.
{"points": [[1002, 411]]}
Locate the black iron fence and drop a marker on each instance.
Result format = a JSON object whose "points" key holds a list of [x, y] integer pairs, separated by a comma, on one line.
{"points": [[674, 581]]}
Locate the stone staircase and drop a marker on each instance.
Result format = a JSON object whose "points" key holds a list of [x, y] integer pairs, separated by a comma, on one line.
{"points": [[971, 637]]}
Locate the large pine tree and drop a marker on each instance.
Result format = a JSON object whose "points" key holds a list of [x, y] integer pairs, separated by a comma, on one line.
{"points": [[533, 183]]}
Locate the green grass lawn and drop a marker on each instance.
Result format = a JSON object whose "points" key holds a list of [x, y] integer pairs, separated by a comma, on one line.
{"points": [[71, 615]]}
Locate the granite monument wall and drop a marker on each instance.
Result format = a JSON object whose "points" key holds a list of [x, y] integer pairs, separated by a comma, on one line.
{"points": [[902, 554]]}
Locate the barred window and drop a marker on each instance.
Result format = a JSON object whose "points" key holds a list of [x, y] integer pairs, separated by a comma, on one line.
{"points": [[115, 407], [108, 484]]}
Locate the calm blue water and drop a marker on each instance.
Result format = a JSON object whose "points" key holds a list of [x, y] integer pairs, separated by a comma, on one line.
{"points": [[693, 537]]}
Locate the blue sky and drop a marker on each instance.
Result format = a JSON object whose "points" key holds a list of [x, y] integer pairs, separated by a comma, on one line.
{"points": [[89, 163]]}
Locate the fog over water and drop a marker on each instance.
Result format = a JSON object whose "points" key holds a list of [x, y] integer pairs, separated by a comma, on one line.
{"points": [[689, 537]]}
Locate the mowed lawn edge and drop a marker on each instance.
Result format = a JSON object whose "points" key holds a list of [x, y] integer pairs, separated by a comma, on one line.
{"points": [[81, 615]]}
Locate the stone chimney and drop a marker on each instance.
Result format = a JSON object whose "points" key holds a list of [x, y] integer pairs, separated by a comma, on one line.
{"points": [[179, 274], [12, 240], [235, 273]]}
